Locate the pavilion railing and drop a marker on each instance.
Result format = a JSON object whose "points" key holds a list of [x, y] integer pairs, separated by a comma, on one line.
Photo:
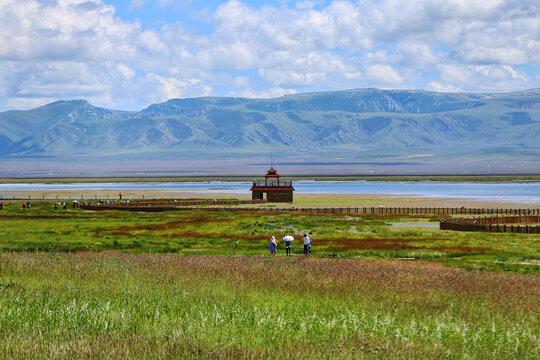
{"points": [[273, 183]]}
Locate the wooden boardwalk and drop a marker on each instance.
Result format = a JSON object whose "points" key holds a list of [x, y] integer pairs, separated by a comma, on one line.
{"points": [[366, 210], [524, 224], [501, 219]]}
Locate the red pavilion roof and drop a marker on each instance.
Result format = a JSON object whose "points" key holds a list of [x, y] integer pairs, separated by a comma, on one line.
{"points": [[272, 173]]}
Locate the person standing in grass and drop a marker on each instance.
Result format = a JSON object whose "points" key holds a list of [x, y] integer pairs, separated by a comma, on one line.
{"points": [[273, 246], [288, 240], [307, 245]]}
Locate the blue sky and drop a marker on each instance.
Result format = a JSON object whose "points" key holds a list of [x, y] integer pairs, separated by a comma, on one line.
{"points": [[128, 54]]}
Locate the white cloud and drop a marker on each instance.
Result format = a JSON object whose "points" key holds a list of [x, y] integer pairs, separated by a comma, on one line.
{"points": [[479, 78], [437, 86], [174, 88], [81, 49], [266, 93], [384, 76]]}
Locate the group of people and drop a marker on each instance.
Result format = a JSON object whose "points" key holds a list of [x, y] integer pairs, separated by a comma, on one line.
{"points": [[288, 239], [57, 204]]}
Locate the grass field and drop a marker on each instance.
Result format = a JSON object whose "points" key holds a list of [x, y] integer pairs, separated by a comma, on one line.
{"points": [[78, 284], [227, 233], [103, 305]]}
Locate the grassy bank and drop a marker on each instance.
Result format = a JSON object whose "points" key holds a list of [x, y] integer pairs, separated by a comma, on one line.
{"points": [[229, 233], [110, 305]]}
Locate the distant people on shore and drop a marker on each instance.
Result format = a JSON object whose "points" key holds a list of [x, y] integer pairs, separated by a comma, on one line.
{"points": [[64, 206], [120, 196], [28, 204], [24, 206]]}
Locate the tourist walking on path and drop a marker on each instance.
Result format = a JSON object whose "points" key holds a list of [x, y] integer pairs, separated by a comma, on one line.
{"points": [[307, 245], [273, 246], [288, 240]]}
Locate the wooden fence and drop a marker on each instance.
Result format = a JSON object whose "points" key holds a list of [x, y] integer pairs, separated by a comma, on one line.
{"points": [[372, 210], [515, 224], [160, 205], [177, 202]]}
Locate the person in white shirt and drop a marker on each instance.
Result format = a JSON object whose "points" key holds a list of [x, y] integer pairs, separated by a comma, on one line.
{"points": [[307, 245]]}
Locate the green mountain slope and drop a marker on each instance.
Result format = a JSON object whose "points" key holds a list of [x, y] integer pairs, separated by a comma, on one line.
{"points": [[390, 121]]}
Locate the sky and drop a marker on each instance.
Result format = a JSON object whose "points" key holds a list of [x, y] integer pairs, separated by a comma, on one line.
{"points": [[128, 54]]}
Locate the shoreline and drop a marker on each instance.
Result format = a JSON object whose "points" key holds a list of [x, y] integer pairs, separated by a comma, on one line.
{"points": [[300, 200]]}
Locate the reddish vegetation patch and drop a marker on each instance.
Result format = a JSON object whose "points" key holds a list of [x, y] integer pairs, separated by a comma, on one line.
{"points": [[390, 244], [366, 244], [419, 282], [173, 224], [119, 233], [193, 234], [247, 237]]}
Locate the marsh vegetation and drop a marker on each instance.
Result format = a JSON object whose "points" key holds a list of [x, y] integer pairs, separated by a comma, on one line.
{"points": [[112, 284], [247, 233], [103, 305]]}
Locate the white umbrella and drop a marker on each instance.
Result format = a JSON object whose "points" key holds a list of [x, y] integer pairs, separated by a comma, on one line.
{"points": [[288, 238]]}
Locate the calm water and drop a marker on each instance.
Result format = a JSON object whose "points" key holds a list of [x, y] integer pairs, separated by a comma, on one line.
{"points": [[523, 193]]}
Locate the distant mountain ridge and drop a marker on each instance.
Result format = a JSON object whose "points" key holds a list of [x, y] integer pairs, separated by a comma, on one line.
{"points": [[390, 120]]}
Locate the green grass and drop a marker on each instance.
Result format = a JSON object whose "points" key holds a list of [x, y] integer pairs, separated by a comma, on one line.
{"points": [[103, 305], [227, 233], [112, 284]]}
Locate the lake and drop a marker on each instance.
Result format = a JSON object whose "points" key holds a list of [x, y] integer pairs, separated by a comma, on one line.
{"points": [[522, 193]]}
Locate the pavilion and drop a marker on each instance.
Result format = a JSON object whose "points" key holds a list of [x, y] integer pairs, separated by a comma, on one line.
{"points": [[274, 189]]}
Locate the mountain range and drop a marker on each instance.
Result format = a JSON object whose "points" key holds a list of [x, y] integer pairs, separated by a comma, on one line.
{"points": [[362, 125]]}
